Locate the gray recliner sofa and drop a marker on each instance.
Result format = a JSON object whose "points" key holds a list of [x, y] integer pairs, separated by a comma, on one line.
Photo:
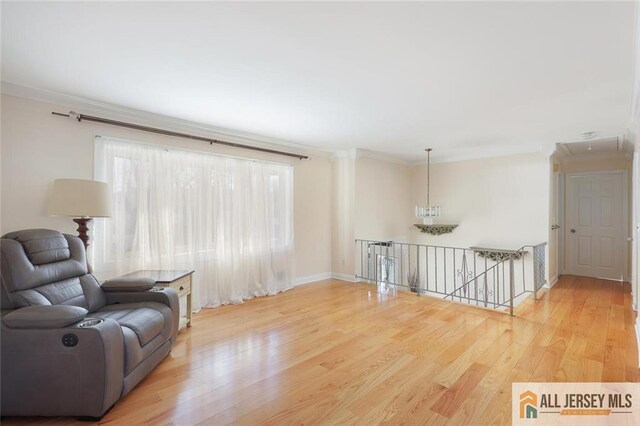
{"points": [[56, 361]]}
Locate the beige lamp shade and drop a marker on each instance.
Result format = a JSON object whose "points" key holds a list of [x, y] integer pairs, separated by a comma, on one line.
{"points": [[80, 198]]}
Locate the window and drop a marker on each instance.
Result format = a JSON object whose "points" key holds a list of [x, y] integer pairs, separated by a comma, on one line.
{"points": [[229, 219]]}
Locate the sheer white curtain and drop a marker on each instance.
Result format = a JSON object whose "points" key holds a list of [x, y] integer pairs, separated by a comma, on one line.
{"points": [[229, 219]]}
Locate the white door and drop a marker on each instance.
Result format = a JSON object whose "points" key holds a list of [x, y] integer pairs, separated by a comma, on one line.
{"points": [[595, 225]]}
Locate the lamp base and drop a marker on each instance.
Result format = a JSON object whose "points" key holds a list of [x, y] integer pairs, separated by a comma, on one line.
{"points": [[83, 229]]}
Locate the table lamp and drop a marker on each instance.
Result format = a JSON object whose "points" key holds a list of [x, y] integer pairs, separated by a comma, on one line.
{"points": [[82, 200]]}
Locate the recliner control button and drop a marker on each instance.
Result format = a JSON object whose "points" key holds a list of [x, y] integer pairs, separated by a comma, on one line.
{"points": [[70, 340]]}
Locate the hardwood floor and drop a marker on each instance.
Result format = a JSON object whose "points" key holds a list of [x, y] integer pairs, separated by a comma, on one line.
{"points": [[336, 352]]}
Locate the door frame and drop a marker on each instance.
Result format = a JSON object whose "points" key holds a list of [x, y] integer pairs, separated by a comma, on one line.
{"points": [[562, 221], [625, 217]]}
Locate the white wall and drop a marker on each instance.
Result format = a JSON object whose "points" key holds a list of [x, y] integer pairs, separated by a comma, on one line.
{"points": [[37, 148]]}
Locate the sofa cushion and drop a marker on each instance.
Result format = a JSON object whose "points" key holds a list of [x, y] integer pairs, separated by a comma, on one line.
{"points": [[18, 273], [65, 292], [82, 291], [145, 327], [42, 246], [145, 322]]}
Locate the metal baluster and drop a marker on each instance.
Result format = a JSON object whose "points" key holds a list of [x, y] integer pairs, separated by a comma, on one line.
{"points": [[359, 243], [486, 284], [374, 261], [454, 276], [435, 262], [418, 269], [511, 278], [401, 266], [394, 263], [427, 265], [361, 260], [496, 285], [475, 274], [504, 292], [524, 280], [409, 258], [444, 268]]}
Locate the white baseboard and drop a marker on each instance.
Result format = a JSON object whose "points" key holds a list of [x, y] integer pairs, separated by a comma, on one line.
{"points": [[345, 277], [324, 276], [311, 278], [552, 281]]}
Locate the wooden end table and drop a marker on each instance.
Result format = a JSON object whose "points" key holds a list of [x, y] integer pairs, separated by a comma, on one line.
{"points": [[180, 281]]}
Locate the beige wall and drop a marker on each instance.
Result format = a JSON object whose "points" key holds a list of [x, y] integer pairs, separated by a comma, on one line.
{"points": [[383, 209], [371, 200], [38, 148], [343, 217], [500, 202], [497, 202]]}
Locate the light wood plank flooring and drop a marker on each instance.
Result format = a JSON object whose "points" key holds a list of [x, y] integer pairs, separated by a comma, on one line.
{"points": [[340, 353]]}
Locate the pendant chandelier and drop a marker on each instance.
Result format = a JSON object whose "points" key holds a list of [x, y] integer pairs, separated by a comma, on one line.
{"points": [[428, 212]]}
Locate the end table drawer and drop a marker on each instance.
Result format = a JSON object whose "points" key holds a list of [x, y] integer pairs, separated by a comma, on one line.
{"points": [[182, 286]]}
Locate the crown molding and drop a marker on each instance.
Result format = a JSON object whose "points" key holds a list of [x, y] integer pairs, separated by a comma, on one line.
{"points": [[484, 153], [376, 155], [356, 153], [90, 106], [346, 153]]}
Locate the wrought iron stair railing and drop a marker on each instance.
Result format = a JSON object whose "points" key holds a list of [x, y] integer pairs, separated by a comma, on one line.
{"points": [[484, 277]]}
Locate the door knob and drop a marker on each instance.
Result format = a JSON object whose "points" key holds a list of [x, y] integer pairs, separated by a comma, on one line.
{"points": [[573, 231]]}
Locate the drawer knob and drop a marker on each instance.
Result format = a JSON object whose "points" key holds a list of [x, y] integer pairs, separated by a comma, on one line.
{"points": [[181, 288]]}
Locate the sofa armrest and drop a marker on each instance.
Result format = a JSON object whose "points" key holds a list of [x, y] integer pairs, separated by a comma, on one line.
{"points": [[49, 316], [44, 373], [124, 284], [164, 295]]}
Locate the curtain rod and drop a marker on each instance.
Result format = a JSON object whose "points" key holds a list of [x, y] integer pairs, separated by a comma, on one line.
{"points": [[81, 117]]}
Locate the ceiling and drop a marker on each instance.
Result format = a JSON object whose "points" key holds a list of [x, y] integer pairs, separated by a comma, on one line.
{"points": [[393, 78], [594, 147]]}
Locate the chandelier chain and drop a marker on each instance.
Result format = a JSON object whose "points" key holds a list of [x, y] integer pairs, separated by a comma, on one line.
{"points": [[428, 174]]}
